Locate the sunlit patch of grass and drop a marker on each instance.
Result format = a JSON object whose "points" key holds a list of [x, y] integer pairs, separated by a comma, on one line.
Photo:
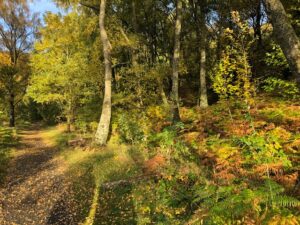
{"points": [[8, 140], [89, 170], [56, 135]]}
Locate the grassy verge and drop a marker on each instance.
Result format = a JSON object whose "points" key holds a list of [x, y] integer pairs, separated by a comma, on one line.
{"points": [[88, 170], [8, 140]]}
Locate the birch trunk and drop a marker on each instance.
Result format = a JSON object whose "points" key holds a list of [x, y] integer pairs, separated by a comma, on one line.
{"points": [[104, 124], [203, 88], [202, 40]]}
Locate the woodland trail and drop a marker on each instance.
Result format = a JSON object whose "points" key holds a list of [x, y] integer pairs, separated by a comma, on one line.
{"points": [[35, 191]]}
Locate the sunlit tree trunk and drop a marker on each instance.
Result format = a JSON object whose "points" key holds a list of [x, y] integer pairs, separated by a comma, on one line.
{"points": [[104, 124], [202, 39], [203, 88], [285, 35], [176, 56]]}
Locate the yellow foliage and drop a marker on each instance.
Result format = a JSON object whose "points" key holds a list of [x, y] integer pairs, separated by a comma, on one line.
{"points": [[284, 220], [281, 133], [225, 152], [156, 112], [4, 59]]}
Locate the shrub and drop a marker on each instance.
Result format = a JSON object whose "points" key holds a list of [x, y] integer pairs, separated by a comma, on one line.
{"points": [[281, 88], [170, 145], [264, 149], [129, 129], [231, 76]]}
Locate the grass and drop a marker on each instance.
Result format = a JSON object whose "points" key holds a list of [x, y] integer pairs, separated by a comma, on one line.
{"points": [[88, 170], [8, 140]]}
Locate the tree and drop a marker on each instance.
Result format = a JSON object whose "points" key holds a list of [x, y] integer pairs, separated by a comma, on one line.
{"points": [[232, 75], [62, 63], [176, 58], [17, 29], [104, 124], [199, 15], [285, 35]]}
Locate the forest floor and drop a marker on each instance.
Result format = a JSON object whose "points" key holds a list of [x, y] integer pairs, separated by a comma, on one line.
{"points": [[46, 182], [50, 181], [35, 185]]}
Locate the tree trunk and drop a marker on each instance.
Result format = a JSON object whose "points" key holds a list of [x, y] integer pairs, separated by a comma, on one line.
{"points": [[203, 88], [70, 116], [162, 92], [176, 56], [202, 41], [68, 124], [12, 110], [104, 124], [134, 20], [285, 35], [257, 29]]}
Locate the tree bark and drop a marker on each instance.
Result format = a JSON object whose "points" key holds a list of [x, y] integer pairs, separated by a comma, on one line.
{"points": [[104, 124], [70, 116], [203, 88], [257, 29], [162, 92], [176, 56], [12, 110], [134, 18], [285, 35], [202, 41]]}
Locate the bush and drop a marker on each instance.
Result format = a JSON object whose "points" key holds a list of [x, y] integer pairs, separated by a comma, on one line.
{"points": [[129, 129], [264, 149], [170, 145], [281, 88]]}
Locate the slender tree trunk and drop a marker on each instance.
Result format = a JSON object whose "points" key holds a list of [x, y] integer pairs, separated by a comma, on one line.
{"points": [[176, 56], [162, 92], [68, 124], [202, 34], [134, 50], [257, 29], [104, 124], [12, 110], [285, 35], [70, 116], [134, 20], [203, 88], [135, 29]]}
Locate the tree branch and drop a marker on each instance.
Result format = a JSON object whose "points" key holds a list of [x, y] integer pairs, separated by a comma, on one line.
{"points": [[95, 8]]}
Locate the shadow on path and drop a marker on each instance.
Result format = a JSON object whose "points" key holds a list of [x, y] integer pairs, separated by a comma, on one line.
{"points": [[34, 183]]}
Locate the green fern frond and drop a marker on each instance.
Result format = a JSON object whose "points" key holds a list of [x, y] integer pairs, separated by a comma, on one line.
{"points": [[285, 201]]}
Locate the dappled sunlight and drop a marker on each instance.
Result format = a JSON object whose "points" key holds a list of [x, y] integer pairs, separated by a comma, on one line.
{"points": [[167, 112]]}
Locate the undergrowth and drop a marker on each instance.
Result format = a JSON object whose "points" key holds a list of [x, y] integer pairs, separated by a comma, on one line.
{"points": [[211, 171]]}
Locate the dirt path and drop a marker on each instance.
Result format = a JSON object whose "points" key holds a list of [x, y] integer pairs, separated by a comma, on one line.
{"points": [[36, 186]]}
